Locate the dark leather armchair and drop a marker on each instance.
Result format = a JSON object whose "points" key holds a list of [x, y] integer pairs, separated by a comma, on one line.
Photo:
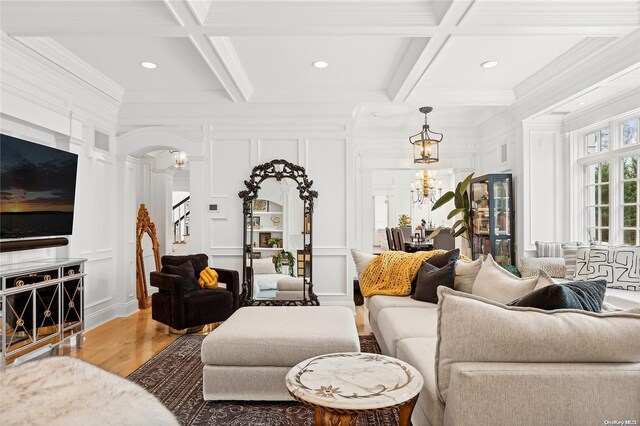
{"points": [[181, 308]]}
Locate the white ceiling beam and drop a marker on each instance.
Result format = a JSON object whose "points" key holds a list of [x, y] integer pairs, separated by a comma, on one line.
{"points": [[216, 52], [407, 78]]}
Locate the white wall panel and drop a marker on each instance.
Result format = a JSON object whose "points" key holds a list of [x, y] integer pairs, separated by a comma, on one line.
{"points": [[542, 187], [276, 149], [326, 166]]}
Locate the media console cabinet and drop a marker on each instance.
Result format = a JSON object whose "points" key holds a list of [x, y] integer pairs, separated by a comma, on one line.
{"points": [[42, 305]]}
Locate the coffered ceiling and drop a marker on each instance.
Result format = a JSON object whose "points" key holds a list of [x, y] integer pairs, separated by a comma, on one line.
{"points": [[385, 56]]}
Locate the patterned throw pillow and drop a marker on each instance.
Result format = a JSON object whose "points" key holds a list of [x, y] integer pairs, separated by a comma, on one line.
{"points": [[582, 264], [569, 252], [554, 266], [618, 266], [548, 249]]}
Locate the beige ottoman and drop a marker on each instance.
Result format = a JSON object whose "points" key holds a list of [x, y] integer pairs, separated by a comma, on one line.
{"points": [[290, 288], [249, 355]]}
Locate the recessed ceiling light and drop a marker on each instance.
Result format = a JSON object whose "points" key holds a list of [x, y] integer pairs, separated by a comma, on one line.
{"points": [[582, 103], [489, 64], [148, 65], [320, 64]]}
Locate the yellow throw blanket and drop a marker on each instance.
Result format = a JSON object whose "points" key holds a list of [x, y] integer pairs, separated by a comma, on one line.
{"points": [[391, 273]]}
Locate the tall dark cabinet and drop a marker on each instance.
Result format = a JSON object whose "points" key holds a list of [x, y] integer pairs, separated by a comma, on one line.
{"points": [[493, 218]]}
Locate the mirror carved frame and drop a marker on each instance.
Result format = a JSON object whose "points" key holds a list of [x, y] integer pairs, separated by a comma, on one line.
{"points": [[279, 170], [144, 225]]}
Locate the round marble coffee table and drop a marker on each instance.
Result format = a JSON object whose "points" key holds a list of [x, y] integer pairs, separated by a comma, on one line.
{"points": [[342, 385]]}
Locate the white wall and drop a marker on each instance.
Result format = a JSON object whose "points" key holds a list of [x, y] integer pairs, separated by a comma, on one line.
{"points": [[47, 105], [327, 159]]}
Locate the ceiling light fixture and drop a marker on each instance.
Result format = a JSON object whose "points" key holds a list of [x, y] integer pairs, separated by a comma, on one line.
{"points": [[148, 65], [320, 64], [426, 143], [582, 103], [489, 64], [180, 158]]}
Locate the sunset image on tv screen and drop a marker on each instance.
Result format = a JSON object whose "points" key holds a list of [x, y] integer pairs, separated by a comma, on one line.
{"points": [[37, 189]]}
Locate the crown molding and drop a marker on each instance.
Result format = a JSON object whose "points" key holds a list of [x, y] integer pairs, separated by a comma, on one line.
{"points": [[585, 49], [616, 58], [455, 96], [60, 56], [230, 60], [177, 97]]}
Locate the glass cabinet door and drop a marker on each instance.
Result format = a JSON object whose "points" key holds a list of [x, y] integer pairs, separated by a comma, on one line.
{"points": [[481, 244], [501, 206]]}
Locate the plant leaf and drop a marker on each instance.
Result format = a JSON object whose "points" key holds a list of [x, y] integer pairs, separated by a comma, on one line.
{"points": [[458, 223], [459, 201], [443, 200], [464, 184], [456, 212], [460, 231], [434, 233]]}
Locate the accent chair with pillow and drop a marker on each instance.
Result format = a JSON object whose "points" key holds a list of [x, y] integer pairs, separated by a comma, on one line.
{"points": [[181, 303]]}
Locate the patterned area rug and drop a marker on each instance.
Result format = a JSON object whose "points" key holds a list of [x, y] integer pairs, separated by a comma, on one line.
{"points": [[174, 376]]}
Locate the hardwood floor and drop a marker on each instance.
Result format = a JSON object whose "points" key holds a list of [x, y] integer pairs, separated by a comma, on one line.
{"points": [[124, 344]]}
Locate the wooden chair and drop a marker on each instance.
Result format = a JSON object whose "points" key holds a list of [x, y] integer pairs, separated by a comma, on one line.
{"points": [[390, 242]]}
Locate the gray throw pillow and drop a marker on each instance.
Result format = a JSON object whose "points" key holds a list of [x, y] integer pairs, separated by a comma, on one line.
{"points": [[430, 277], [585, 295]]}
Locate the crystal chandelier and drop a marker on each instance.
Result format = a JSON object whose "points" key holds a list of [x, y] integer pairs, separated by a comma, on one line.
{"points": [[426, 143], [424, 188], [180, 158]]}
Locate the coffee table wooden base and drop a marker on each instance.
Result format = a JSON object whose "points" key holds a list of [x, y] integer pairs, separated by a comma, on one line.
{"points": [[330, 417]]}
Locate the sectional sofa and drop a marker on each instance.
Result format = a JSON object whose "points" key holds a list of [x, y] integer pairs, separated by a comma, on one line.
{"points": [[485, 363]]}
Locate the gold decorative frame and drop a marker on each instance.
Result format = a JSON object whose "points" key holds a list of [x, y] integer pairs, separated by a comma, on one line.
{"points": [[144, 225]]}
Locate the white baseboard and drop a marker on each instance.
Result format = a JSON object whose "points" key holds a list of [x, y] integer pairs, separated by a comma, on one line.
{"points": [[108, 313]]}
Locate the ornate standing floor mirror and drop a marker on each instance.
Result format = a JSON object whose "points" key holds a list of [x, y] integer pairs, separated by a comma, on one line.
{"points": [[277, 236]]}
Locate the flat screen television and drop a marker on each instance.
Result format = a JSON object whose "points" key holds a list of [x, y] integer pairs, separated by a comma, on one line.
{"points": [[37, 189]]}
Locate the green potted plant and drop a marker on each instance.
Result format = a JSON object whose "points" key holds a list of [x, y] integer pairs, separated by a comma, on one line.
{"points": [[274, 242], [460, 197], [404, 220]]}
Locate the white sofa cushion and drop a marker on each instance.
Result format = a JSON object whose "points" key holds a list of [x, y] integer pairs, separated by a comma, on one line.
{"points": [[377, 303], [496, 283], [280, 337], [396, 324], [420, 352], [473, 329], [548, 249], [466, 273], [618, 266]]}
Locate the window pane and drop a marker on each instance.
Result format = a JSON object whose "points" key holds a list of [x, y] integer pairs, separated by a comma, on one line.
{"points": [[630, 192], [591, 176], [604, 172], [630, 216], [604, 194], [629, 168], [604, 139], [605, 216], [592, 143], [591, 217], [629, 237], [630, 132], [604, 235]]}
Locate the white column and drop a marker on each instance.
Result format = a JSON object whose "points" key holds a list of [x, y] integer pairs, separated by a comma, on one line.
{"points": [[197, 188]]}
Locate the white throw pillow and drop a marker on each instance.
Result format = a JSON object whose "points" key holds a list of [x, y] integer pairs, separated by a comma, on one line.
{"points": [[466, 273], [264, 266], [543, 280], [495, 283], [569, 252], [618, 266], [361, 259], [582, 264]]}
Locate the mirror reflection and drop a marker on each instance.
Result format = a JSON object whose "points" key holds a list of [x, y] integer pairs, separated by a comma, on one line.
{"points": [[278, 207]]}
